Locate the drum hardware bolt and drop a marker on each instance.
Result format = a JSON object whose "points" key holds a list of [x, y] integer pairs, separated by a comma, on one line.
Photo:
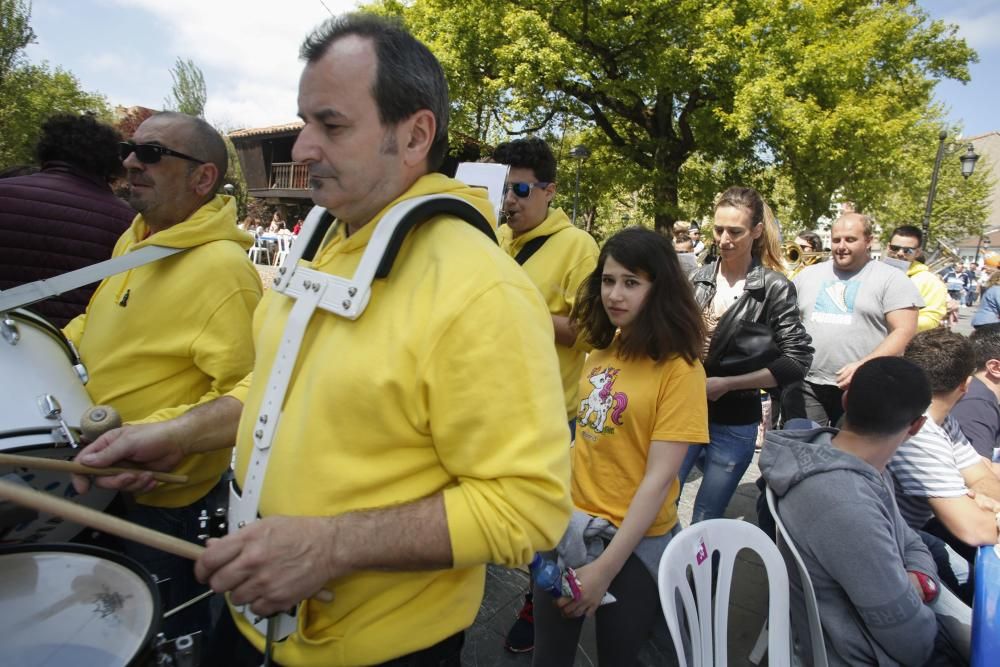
{"points": [[8, 328], [351, 291], [241, 524], [315, 287], [346, 304], [259, 433], [307, 284], [276, 281], [282, 270], [263, 419]]}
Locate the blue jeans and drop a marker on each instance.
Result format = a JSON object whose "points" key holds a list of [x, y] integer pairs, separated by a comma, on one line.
{"points": [[722, 462]]}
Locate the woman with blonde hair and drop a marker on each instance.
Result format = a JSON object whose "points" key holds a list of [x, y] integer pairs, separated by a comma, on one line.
{"points": [[755, 340]]}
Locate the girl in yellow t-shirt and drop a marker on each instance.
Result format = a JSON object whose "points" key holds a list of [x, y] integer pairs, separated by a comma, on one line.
{"points": [[643, 402]]}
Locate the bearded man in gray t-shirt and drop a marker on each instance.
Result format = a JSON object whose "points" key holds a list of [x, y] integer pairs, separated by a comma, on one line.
{"points": [[855, 310]]}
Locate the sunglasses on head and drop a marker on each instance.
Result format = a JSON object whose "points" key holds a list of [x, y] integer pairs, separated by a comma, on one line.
{"points": [[521, 189], [150, 153], [901, 249]]}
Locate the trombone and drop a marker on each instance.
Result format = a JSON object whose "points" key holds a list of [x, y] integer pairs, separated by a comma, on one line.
{"points": [[796, 258]]}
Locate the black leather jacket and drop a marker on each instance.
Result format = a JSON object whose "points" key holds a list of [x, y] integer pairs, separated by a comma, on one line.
{"points": [[762, 329]]}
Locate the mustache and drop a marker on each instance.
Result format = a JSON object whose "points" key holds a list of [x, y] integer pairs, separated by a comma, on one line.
{"points": [[135, 177]]}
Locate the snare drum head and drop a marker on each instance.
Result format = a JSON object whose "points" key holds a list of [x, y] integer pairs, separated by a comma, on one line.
{"points": [[73, 605]]}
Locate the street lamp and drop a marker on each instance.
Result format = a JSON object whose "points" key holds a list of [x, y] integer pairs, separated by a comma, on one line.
{"points": [[578, 153], [968, 166]]}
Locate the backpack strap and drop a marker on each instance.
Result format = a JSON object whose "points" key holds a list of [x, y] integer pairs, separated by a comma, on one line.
{"points": [[530, 248]]}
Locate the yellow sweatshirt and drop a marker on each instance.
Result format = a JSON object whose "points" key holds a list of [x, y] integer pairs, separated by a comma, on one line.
{"points": [[164, 337], [933, 292], [447, 383], [557, 269]]}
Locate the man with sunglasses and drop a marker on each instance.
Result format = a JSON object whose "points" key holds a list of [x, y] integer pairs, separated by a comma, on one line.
{"points": [[167, 336], [557, 257], [904, 245], [413, 444]]}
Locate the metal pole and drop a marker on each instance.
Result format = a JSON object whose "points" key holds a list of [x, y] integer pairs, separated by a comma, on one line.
{"points": [[576, 195], [979, 244], [925, 226]]}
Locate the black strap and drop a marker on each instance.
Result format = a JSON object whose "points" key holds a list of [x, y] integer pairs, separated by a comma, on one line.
{"points": [[421, 213], [530, 248]]}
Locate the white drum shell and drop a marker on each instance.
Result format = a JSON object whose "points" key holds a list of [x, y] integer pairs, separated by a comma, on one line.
{"points": [[40, 363]]}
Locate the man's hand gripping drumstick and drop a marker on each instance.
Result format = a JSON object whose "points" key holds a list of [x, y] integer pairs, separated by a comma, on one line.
{"points": [[159, 446]]}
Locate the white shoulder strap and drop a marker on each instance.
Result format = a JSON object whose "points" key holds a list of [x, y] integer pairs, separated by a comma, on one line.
{"points": [[25, 295]]}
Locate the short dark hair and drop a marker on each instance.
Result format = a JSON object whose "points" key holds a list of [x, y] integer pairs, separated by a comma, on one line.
{"points": [[84, 142], [813, 239], [529, 153], [408, 77], [670, 323], [886, 395], [946, 357], [202, 141], [910, 231], [986, 345]]}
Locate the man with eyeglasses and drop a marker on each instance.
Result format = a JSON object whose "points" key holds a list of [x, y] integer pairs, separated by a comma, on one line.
{"points": [[165, 337], [904, 245], [411, 445], [557, 256]]}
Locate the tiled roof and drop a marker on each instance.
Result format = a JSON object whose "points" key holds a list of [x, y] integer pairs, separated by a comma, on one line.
{"points": [[262, 131]]}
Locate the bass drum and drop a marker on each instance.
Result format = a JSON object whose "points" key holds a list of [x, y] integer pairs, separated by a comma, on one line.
{"points": [[72, 605], [38, 363]]}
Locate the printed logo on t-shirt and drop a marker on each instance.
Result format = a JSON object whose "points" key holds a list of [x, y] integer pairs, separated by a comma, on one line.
{"points": [[835, 302], [602, 402]]}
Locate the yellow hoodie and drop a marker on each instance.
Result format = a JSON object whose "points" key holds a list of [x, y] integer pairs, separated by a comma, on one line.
{"points": [[933, 292], [164, 337], [557, 269], [447, 383]]}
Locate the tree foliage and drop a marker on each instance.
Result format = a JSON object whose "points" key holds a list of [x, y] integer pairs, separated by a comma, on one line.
{"points": [[31, 93], [686, 97], [188, 94]]}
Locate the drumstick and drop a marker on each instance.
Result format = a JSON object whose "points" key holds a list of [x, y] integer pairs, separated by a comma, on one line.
{"points": [[70, 511], [40, 463], [44, 502]]}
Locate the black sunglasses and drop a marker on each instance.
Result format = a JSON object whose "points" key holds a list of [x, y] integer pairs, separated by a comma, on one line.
{"points": [[150, 153], [521, 189], [901, 249]]}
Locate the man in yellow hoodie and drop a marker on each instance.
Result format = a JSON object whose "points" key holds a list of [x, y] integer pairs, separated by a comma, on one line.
{"points": [[904, 244], [415, 443], [164, 337], [557, 257]]}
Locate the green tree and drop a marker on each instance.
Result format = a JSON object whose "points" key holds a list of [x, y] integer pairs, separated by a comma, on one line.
{"points": [[698, 94], [15, 34], [188, 94]]}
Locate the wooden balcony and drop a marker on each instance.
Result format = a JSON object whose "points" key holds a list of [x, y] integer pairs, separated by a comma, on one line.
{"points": [[289, 176]]}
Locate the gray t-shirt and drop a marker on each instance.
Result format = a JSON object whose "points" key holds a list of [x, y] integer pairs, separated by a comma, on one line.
{"points": [[845, 312]]}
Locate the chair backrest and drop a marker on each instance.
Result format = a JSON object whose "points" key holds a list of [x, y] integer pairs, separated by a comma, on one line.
{"points": [[808, 592], [690, 555]]}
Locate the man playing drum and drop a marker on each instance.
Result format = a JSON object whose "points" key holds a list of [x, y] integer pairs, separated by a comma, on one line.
{"points": [[414, 443], [176, 333]]}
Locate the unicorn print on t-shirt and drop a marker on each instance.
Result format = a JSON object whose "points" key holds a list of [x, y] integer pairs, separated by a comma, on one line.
{"points": [[601, 400]]}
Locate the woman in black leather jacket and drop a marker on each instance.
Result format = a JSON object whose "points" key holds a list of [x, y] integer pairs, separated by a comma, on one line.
{"points": [[755, 341]]}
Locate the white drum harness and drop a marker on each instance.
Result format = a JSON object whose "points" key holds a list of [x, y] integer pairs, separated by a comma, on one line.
{"points": [[311, 289]]}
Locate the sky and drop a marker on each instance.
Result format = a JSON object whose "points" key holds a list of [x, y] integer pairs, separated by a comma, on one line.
{"points": [[248, 52]]}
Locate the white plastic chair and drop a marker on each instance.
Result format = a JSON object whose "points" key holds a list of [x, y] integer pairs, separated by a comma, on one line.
{"points": [[259, 248], [284, 245], [819, 658], [690, 554]]}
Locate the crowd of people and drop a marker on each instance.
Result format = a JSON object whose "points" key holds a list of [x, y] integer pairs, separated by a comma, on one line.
{"points": [[498, 393]]}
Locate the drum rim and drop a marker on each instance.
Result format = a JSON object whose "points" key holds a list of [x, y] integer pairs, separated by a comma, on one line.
{"points": [[48, 327], [106, 554]]}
